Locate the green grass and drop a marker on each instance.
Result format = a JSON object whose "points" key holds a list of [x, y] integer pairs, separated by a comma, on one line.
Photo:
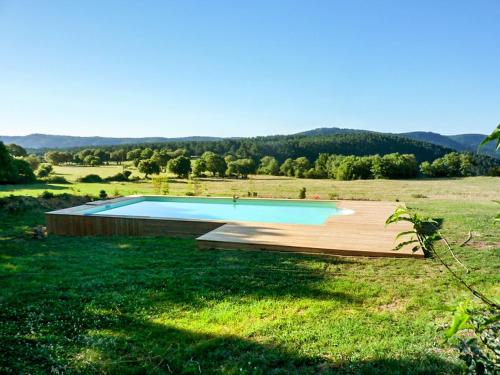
{"points": [[159, 305]]}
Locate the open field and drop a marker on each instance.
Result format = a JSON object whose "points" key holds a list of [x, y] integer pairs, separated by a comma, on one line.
{"points": [[159, 305], [72, 172], [482, 189]]}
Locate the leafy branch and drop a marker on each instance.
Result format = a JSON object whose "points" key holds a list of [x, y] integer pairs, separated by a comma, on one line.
{"points": [[423, 236], [480, 353], [493, 137]]}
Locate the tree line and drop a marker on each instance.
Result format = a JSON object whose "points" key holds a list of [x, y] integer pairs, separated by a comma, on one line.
{"points": [[182, 163], [283, 147]]}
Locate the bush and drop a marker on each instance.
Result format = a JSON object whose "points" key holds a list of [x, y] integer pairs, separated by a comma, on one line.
{"points": [[44, 170], [120, 177], [302, 193], [90, 178], [55, 180], [103, 194], [47, 195]]}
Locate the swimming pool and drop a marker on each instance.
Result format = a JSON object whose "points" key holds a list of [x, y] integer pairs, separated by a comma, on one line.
{"points": [[221, 209]]}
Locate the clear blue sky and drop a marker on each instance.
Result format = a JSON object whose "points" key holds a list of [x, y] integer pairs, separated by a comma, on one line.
{"points": [[242, 68]]}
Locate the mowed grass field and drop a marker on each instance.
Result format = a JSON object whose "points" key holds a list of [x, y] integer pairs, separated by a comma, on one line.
{"points": [[158, 305]]}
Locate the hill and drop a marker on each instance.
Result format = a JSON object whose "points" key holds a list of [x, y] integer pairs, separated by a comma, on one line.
{"points": [[437, 139], [459, 142], [47, 141], [363, 140]]}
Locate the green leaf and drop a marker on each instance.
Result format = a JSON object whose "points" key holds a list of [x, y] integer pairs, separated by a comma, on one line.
{"points": [[494, 136], [400, 245], [460, 321], [405, 233]]}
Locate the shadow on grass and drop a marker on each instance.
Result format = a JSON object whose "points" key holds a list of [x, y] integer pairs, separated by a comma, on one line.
{"points": [[36, 186], [123, 345], [94, 305]]}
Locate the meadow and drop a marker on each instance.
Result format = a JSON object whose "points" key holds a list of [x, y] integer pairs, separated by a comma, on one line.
{"points": [[158, 305]]}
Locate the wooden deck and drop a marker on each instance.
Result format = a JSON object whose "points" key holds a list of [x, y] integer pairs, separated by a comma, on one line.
{"points": [[361, 234]]}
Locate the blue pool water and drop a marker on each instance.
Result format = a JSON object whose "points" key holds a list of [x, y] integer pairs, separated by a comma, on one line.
{"points": [[270, 211]]}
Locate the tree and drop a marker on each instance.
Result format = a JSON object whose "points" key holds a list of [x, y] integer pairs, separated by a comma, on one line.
{"points": [[91, 160], [102, 155], [354, 168], [16, 150], [162, 157], [134, 154], [33, 161], [14, 171], [118, 156], [426, 169], [180, 166], [147, 153], [241, 167], [148, 167], [393, 165], [214, 163], [301, 166], [287, 168], [269, 165], [44, 170], [199, 167], [53, 157]]}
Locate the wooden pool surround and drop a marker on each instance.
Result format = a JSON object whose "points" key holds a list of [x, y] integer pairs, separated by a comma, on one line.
{"points": [[362, 233]]}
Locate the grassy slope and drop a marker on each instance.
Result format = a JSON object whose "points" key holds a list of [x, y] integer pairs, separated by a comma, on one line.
{"points": [[159, 305]]}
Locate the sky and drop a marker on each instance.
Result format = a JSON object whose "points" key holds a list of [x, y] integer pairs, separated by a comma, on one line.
{"points": [[246, 68]]}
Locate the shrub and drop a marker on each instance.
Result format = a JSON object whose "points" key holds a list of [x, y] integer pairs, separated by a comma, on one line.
{"points": [[302, 193], [47, 195], [90, 178], [103, 194], [120, 177], [55, 180], [44, 170]]}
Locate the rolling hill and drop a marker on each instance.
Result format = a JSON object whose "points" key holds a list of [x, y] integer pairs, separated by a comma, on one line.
{"points": [[48, 141], [459, 142]]}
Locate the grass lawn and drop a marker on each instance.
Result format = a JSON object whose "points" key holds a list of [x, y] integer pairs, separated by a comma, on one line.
{"points": [[159, 305]]}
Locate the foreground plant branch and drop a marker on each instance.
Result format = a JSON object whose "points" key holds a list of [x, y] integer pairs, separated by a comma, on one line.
{"points": [[480, 353], [422, 236]]}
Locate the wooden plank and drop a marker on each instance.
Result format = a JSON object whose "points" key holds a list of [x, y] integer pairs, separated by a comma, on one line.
{"points": [[362, 233]]}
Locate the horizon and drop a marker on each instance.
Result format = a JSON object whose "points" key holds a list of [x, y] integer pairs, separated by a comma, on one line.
{"points": [[204, 135], [158, 69]]}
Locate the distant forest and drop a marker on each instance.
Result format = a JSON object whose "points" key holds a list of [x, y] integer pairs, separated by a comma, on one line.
{"points": [[283, 147]]}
